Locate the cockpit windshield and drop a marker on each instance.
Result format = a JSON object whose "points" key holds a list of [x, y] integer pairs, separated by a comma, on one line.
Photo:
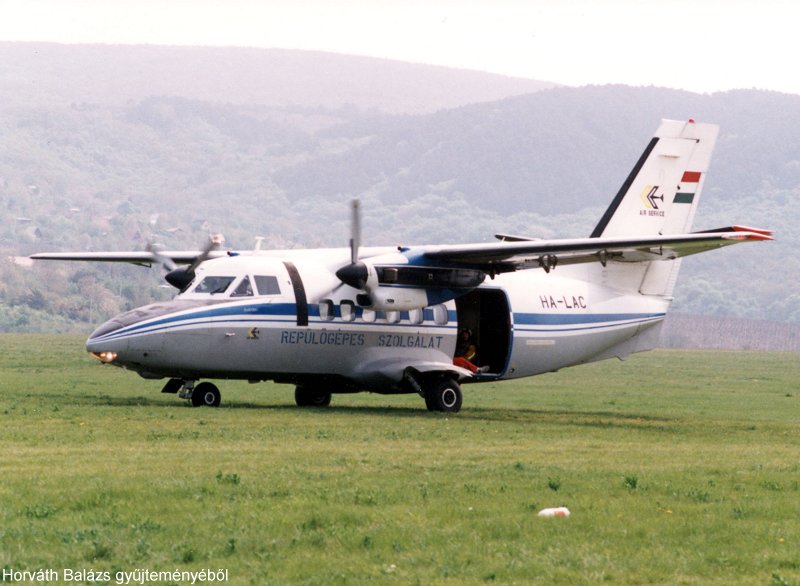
{"points": [[243, 289], [233, 286], [214, 285]]}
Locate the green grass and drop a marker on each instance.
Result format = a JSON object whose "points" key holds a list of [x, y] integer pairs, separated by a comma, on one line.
{"points": [[678, 467]]}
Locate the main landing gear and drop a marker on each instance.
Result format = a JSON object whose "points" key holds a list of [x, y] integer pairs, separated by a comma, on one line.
{"points": [[308, 396], [441, 393], [201, 395]]}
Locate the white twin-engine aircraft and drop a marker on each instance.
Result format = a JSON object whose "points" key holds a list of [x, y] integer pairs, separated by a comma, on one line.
{"points": [[422, 319]]}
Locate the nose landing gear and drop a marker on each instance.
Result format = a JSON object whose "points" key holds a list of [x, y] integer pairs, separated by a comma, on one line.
{"points": [[201, 395], [206, 395]]}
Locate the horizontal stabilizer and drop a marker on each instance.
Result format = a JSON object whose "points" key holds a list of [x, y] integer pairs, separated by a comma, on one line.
{"points": [[512, 238], [763, 232], [510, 256]]}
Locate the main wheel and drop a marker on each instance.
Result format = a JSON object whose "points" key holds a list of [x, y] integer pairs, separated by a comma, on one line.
{"points": [[311, 397], [444, 394], [206, 394], [430, 403]]}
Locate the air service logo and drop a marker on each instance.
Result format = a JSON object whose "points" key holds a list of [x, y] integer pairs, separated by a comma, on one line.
{"points": [[653, 202]]}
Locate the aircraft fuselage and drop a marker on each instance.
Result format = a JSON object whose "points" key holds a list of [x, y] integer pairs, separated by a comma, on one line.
{"points": [[525, 323]]}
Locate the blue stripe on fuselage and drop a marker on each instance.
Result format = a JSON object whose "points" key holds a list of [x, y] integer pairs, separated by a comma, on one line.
{"points": [[253, 313], [561, 319], [171, 319], [273, 312]]}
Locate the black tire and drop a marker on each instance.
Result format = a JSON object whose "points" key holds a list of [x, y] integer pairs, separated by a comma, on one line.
{"points": [[430, 403], [206, 395], [445, 395], [311, 397]]}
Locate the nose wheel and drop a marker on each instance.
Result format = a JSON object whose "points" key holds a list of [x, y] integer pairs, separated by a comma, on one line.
{"points": [[202, 395], [206, 395]]}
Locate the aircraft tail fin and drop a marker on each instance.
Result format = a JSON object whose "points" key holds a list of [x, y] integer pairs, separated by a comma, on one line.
{"points": [[660, 196], [661, 192]]}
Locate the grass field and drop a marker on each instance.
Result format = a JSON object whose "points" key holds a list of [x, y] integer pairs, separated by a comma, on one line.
{"points": [[678, 467]]}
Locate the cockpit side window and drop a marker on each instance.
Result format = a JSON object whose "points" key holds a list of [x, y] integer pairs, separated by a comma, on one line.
{"points": [[267, 285], [244, 289], [214, 285]]}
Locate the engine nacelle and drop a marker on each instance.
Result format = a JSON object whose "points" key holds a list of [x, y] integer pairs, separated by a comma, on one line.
{"points": [[389, 283], [394, 299]]}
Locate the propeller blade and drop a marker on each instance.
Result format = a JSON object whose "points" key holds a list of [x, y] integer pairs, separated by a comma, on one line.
{"points": [[215, 242], [165, 261], [323, 288], [355, 231]]}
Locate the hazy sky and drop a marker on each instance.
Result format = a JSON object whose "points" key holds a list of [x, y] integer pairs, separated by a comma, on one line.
{"points": [[699, 45]]}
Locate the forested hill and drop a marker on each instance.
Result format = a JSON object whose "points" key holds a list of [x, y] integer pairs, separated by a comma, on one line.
{"points": [[51, 74], [167, 162], [563, 149]]}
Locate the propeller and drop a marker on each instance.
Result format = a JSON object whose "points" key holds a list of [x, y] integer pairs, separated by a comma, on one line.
{"points": [[356, 273], [181, 277], [406, 287]]}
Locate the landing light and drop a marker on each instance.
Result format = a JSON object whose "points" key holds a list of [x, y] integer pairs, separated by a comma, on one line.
{"points": [[105, 356]]}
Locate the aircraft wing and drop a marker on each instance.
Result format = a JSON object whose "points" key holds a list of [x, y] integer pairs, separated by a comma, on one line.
{"points": [[516, 255], [142, 257]]}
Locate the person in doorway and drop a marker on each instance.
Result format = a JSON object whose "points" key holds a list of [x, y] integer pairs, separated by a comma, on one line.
{"points": [[467, 352]]}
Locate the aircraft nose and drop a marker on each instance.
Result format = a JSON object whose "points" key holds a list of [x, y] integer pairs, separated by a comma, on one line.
{"points": [[108, 327], [101, 348]]}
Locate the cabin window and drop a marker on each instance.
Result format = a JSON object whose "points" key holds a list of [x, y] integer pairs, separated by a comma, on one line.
{"points": [[244, 289], [326, 311], [440, 315], [348, 310], [416, 316], [267, 285], [368, 315], [214, 285]]}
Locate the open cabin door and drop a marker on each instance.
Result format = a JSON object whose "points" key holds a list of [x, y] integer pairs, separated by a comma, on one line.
{"points": [[487, 315]]}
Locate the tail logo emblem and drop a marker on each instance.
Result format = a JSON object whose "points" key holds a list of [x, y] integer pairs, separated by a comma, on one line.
{"points": [[649, 197]]}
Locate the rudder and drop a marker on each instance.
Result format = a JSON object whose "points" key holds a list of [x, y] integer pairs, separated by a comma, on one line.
{"points": [[661, 193]]}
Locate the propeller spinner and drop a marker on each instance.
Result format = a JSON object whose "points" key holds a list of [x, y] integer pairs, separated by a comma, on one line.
{"points": [[181, 277]]}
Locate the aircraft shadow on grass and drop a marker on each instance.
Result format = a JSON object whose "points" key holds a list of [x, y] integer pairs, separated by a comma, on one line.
{"points": [[582, 418]]}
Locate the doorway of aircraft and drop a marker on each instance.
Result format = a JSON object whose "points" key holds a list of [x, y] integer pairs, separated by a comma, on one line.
{"points": [[486, 313]]}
